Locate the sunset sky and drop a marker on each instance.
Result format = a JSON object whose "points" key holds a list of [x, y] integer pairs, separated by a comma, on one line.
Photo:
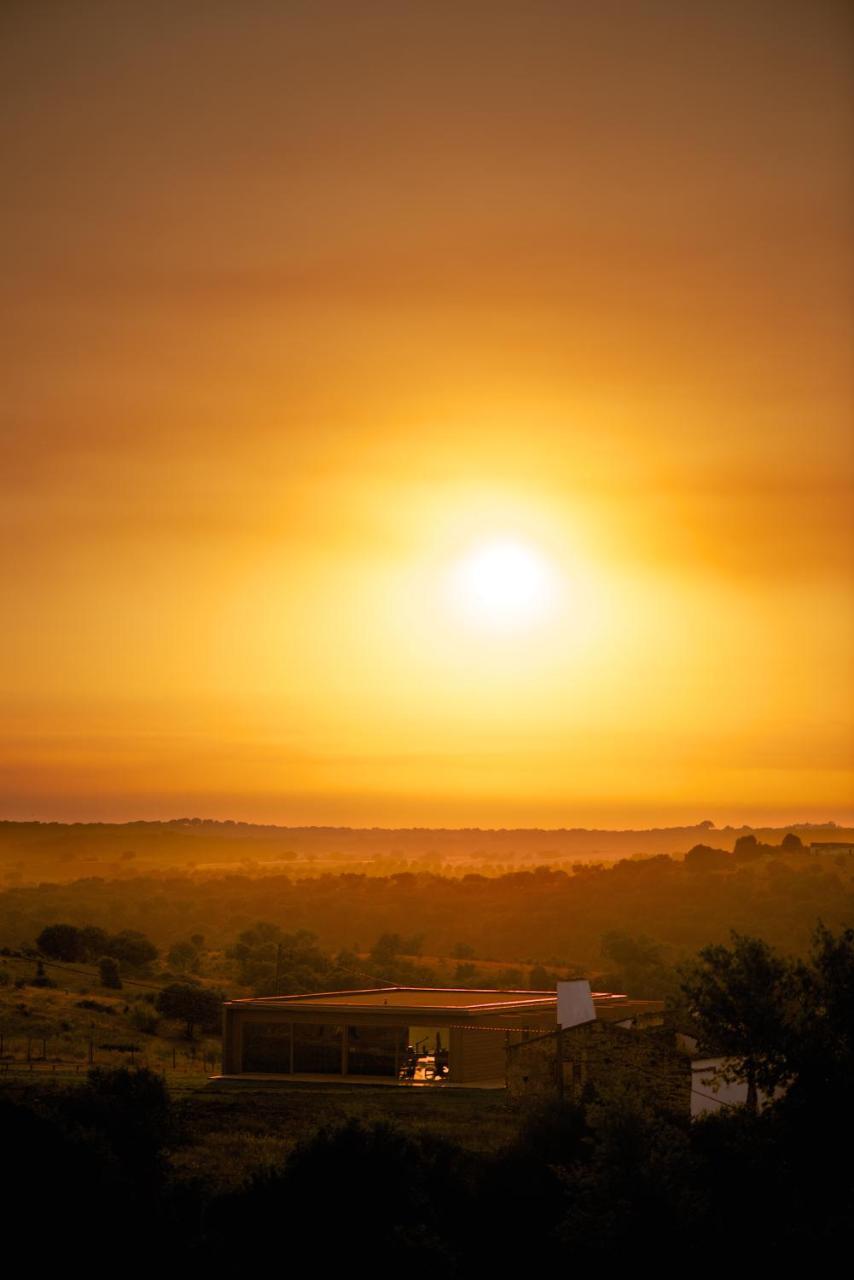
{"points": [[427, 412]]}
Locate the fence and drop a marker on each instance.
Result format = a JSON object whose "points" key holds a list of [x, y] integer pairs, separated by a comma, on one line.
{"points": [[33, 1054]]}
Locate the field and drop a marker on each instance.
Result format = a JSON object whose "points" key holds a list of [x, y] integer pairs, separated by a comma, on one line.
{"points": [[64, 1029], [237, 1129], [49, 1037], [231, 1131]]}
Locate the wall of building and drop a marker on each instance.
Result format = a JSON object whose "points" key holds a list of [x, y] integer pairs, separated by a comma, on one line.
{"points": [[605, 1056], [476, 1054]]}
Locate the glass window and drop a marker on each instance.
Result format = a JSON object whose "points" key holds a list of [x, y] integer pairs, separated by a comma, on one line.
{"points": [[317, 1048], [267, 1047], [375, 1051]]}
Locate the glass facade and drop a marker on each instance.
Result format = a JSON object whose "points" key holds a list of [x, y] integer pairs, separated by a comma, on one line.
{"points": [[317, 1048], [375, 1051], [267, 1047]]}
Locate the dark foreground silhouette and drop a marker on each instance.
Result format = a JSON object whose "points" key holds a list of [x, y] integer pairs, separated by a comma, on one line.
{"points": [[605, 1180]]}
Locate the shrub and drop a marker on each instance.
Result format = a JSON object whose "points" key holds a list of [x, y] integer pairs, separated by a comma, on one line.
{"points": [[144, 1019], [41, 979], [109, 971], [95, 1006]]}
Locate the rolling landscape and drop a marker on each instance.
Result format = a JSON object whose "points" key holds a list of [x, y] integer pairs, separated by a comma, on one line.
{"points": [[427, 643]]}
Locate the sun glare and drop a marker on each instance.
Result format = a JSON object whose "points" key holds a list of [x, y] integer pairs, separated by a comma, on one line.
{"points": [[504, 583]]}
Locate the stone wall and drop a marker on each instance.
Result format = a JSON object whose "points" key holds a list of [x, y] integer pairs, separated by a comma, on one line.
{"points": [[604, 1057]]}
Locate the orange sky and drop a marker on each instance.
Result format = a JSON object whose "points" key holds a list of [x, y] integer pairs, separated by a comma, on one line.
{"points": [[304, 301]]}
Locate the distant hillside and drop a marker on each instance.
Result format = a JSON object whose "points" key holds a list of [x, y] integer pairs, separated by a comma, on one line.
{"points": [[34, 851], [527, 915]]}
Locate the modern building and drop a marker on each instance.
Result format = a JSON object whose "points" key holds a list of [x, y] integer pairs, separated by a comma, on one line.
{"points": [[410, 1035], [405, 1035]]}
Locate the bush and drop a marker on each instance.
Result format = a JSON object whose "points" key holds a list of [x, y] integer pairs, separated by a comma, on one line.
{"points": [[41, 979], [109, 970], [144, 1019], [95, 1006]]}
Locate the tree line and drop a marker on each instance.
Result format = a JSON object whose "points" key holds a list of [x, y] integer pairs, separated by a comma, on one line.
{"points": [[527, 917]]}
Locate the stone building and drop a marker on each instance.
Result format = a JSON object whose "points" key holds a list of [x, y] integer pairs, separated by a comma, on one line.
{"points": [[611, 1053]]}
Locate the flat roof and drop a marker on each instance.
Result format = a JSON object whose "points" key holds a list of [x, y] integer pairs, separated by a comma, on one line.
{"points": [[624, 1009], [408, 998], [458, 1000]]}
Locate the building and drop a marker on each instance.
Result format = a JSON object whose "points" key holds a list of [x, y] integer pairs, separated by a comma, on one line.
{"points": [[606, 1055], [410, 1035], [400, 1035], [621, 1046]]}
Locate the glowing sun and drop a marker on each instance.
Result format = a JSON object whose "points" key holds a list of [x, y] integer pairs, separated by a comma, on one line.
{"points": [[504, 583]]}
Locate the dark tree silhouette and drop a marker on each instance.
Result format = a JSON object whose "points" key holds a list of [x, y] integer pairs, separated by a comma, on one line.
{"points": [[109, 971], [192, 1005], [62, 942], [740, 998]]}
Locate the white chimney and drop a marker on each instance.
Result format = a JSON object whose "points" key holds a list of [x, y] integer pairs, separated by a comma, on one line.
{"points": [[574, 1003]]}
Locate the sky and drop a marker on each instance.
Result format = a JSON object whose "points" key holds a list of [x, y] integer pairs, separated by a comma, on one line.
{"points": [[312, 310]]}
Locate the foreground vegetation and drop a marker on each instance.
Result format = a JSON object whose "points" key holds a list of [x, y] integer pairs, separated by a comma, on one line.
{"points": [[406, 1178]]}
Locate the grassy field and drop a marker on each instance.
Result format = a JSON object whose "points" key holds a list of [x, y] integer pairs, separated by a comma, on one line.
{"points": [[230, 1130], [238, 1129], [77, 1023]]}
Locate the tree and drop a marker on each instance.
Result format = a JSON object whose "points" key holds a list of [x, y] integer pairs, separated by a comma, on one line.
{"points": [[820, 1040], [95, 941], [747, 849], [132, 948], [109, 970], [741, 1000], [704, 858], [463, 951], [387, 948], [184, 957], [639, 966], [540, 979], [62, 942], [192, 1005], [41, 979], [272, 962]]}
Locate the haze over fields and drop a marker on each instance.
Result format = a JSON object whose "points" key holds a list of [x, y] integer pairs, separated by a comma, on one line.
{"points": [[30, 852]]}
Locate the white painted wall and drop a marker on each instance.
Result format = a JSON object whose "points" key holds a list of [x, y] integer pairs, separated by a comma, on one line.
{"points": [[574, 1003], [706, 1096]]}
